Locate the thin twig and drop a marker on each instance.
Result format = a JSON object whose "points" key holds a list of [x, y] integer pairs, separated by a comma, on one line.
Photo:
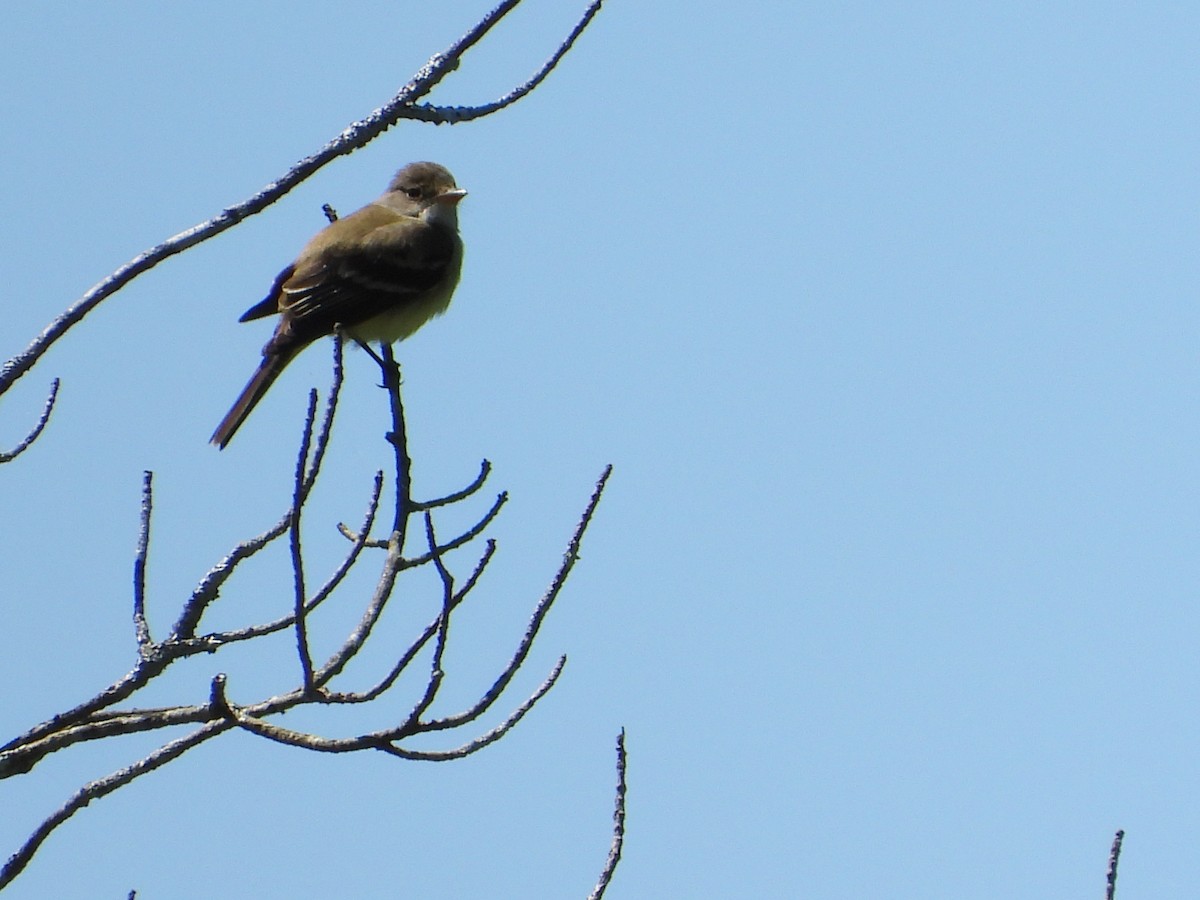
{"points": [[454, 114], [324, 432], [141, 628], [210, 585], [399, 441], [465, 538], [485, 469], [100, 788], [298, 496], [211, 641], [443, 630], [38, 426], [1114, 855], [410, 654], [570, 557], [618, 838], [375, 607], [483, 740]]}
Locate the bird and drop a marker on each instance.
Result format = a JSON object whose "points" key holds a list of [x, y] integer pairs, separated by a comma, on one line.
{"points": [[379, 274]]}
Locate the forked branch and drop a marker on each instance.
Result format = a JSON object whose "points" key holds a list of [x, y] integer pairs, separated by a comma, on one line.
{"points": [[112, 711], [99, 717]]}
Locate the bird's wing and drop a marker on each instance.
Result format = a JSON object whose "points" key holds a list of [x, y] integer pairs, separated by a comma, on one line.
{"points": [[356, 268], [347, 281], [269, 305]]}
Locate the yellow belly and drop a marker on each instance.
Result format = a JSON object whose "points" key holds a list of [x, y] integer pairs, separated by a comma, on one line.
{"points": [[414, 311]]}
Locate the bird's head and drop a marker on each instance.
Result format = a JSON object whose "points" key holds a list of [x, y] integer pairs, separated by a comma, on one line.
{"points": [[426, 190]]}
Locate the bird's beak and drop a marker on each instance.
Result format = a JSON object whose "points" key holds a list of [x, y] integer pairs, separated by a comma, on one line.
{"points": [[450, 198]]}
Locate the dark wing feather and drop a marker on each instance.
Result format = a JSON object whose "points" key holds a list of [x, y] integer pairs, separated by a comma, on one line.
{"points": [[349, 284], [269, 305]]}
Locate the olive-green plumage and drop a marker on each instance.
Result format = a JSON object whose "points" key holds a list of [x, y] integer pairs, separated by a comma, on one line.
{"points": [[380, 273]]}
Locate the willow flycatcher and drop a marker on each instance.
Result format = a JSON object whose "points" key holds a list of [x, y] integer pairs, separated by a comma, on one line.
{"points": [[379, 273]]}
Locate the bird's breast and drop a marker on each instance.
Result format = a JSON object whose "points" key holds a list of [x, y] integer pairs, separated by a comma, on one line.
{"points": [[412, 311]]}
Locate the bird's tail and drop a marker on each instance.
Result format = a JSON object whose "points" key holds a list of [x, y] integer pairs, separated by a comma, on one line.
{"points": [[268, 370]]}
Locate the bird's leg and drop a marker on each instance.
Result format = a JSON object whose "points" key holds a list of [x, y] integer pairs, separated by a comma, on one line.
{"points": [[371, 353], [388, 366]]}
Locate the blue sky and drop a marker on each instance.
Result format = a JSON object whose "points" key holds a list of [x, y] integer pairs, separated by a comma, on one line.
{"points": [[885, 316]]}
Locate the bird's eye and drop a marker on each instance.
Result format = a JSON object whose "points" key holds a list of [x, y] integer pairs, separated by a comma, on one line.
{"points": [[413, 192]]}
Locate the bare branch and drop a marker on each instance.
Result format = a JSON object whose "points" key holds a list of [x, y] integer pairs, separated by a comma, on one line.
{"points": [[212, 641], [485, 469], [218, 714], [208, 589], [210, 586], [298, 495], [419, 643], [466, 537], [323, 433], [443, 630], [484, 740], [97, 718], [535, 622], [452, 115], [1114, 856], [39, 425], [140, 627], [375, 607], [28, 751], [399, 441], [618, 838], [22, 753], [102, 787]]}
